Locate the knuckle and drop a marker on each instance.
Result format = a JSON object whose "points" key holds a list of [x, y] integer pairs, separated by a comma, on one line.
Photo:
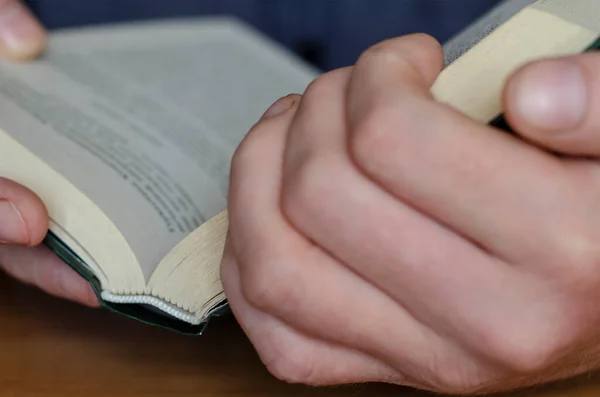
{"points": [[241, 166], [248, 148], [378, 132], [526, 352], [292, 360], [293, 367], [458, 376], [228, 269], [416, 54], [577, 261], [367, 139], [380, 56], [288, 356], [528, 359], [418, 41], [308, 187], [272, 286], [320, 87]]}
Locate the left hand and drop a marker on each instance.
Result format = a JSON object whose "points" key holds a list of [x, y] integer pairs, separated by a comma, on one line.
{"points": [[23, 216], [22, 37], [379, 236]]}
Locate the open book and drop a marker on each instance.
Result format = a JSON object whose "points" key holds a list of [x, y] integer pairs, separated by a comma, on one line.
{"points": [[127, 133]]}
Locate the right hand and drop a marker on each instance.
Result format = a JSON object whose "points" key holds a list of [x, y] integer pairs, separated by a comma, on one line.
{"points": [[23, 216]]}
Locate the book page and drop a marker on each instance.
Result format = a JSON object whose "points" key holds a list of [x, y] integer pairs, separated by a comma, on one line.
{"points": [[144, 119], [466, 39], [486, 64], [585, 13]]}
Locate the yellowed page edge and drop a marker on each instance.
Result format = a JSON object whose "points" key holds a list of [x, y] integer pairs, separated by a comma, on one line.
{"points": [[189, 276], [75, 218], [473, 84]]}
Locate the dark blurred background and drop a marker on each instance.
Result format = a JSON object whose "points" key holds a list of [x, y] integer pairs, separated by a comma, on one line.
{"points": [[327, 33]]}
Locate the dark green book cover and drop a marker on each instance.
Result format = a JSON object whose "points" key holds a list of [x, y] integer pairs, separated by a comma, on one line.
{"points": [[147, 315]]}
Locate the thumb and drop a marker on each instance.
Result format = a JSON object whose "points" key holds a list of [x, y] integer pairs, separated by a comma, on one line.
{"points": [[21, 35], [23, 216], [556, 104]]}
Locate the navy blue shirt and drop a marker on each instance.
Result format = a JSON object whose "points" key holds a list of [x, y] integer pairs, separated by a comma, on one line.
{"points": [[328, 33]]}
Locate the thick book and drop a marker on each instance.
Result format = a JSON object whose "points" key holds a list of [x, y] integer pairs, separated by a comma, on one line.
{"points": [[126, 133]]}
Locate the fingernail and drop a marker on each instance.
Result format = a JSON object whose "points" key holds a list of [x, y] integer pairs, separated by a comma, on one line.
{"points": [[279, 107], [553, 95], [12, 226], [21, 35]]}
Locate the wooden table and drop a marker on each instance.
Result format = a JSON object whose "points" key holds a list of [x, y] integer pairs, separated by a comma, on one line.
{"points": [[55, 348]]}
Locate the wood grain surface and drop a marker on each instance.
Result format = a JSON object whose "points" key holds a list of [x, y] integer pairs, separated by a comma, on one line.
{"points": [[54, 348]]}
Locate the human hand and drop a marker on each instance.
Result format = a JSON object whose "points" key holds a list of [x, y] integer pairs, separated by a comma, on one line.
{"points": [[23, 226], [21, 35], [379, 236], [23, 217]]}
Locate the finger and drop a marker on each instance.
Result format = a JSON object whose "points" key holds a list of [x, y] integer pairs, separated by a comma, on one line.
{"points": [[285, 275], [293, 356], [555, 103], [22, 37], [41, 268], [23, 216], [489, 187], [416, 59], [435, 274]]}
